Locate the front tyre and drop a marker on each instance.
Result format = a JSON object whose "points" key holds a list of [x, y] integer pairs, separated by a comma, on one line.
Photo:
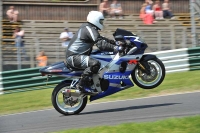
{"points": [[152, 80], [67, 105]]}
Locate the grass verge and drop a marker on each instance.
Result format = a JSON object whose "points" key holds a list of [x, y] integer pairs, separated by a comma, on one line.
{"points": [[172, 125], [41, 99]]}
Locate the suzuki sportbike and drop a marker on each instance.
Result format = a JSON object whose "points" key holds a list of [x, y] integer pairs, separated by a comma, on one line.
{"points": [[118, 72]]}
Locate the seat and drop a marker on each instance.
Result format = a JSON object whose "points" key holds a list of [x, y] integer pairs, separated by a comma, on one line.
{"points": [[71, 68]]}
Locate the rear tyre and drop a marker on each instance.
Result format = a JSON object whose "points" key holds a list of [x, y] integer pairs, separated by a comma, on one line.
{"points": [[154, 79], [59, 101]]}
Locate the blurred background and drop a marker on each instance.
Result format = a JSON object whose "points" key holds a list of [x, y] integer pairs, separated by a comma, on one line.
{"points": [[43, 21]]}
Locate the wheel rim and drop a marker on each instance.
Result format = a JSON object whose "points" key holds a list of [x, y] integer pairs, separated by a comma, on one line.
{"points": [[67, 108], [155, 76]]}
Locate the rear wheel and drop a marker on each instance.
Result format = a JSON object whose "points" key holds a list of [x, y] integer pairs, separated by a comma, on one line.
{"points": [[67, 105], [152, 80]]}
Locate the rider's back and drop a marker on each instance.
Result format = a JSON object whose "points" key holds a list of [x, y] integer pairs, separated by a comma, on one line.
{"points": [[83, 41]]}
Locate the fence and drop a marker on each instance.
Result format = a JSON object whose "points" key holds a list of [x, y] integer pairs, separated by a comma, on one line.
{"points": [[180, 60], [30, 79], [43, 35], [25, 80]]}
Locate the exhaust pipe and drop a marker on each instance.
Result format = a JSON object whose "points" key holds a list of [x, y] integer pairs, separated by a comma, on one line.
{"points": [[71, 92]]}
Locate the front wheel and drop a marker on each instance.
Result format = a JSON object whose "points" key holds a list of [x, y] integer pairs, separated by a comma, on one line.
{"points": [[67, 105], [151, 80]]}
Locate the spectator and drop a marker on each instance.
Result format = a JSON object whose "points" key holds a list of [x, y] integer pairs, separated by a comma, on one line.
{"points": [[146, 17], [148, 8], [66, 36], [166, 10], [116, 9], [104, 8], [18, 35], [157, 10], [42, 59], [19, 43], [12, 14], [142, 12]]}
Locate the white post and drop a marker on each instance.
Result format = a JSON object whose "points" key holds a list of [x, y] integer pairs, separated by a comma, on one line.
{"points": [[19, 63], [193, 27], [1, 16]]}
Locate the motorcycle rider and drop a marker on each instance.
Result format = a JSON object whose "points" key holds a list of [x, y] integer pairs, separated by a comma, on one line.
{"points": [[80, 47]]}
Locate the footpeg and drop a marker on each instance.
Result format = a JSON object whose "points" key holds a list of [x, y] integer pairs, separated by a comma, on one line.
{"points": [[87, 91]]}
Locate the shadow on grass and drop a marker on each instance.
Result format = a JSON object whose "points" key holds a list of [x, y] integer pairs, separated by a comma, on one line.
{"points": [[129, 108]]}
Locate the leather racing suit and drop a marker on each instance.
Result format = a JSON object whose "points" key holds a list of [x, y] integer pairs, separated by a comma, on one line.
{"points": [[80, 47]]}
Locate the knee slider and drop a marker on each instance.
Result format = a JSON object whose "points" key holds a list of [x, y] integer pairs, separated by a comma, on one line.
{"points": [[95, 68]]}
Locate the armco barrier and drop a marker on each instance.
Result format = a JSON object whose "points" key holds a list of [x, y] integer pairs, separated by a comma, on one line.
{"points": [[30, 79], [1, 88], [180, 59], [25, 80]]}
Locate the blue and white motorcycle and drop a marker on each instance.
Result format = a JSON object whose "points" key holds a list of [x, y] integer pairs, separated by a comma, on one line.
{"points": [[118, 72]]}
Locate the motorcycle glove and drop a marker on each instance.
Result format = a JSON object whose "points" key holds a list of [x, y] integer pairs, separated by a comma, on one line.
{"points": [[108, 40], [119, 49], [112, 42]]}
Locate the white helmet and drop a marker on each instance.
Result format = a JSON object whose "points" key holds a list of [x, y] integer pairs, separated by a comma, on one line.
{"points": [[96, 18]]}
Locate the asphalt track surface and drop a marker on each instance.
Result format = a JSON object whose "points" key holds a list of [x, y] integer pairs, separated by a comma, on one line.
{"points": [[111, 113]]}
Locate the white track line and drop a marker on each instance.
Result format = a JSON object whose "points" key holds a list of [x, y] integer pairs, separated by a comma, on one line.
{"points": [[198, 91]]}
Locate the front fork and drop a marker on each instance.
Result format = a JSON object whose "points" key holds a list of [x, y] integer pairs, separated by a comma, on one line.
{"points": [[145, 67]]}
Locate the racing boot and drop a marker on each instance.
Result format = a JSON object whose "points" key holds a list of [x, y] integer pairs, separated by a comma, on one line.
{"points": [[83, 86]]}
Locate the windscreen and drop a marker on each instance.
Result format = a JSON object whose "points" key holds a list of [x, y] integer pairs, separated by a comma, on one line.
{"points": [[122, 32]]}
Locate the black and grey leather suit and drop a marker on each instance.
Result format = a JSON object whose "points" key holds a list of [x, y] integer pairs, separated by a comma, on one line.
{"points": [[80, 47]]}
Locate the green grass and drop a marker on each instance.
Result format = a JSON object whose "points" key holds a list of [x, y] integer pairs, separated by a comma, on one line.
{"points": [[173, 125], [41, 99]]}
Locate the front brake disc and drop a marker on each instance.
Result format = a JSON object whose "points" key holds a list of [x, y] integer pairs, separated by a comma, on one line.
{"points": [[152, 76]]}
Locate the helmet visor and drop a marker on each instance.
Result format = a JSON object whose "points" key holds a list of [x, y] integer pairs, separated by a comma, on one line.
{"points": [[101, 21]]}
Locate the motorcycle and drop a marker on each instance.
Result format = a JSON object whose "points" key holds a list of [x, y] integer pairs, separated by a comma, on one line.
{"points": [[115, 74]]}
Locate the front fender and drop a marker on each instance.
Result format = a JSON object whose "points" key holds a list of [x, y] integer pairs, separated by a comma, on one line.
{"points": [[147, 57]]}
